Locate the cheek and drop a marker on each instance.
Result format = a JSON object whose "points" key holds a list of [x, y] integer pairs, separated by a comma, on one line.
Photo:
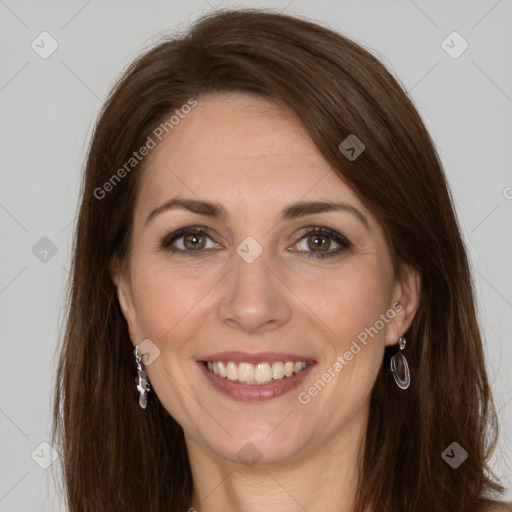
{"points": [[163, 304], [350, 302], [163, 300]]}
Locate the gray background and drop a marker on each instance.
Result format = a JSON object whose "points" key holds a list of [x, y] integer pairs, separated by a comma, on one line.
{"points": [[48, 107]]}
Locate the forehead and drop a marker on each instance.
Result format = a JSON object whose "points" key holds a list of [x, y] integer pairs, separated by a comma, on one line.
{"points": [[239, 147]]}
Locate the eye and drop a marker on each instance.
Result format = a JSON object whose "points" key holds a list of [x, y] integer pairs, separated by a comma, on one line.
{"points": [[189, 241], [318, 240]]}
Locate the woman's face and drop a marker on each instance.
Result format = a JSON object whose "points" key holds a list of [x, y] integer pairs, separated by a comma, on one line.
{"points": [[254, 287]]}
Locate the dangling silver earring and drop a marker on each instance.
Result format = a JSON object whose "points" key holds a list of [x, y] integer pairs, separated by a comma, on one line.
{"points": [[141, 379], [402, 375]]}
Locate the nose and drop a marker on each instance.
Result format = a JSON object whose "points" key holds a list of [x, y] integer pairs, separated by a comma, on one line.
{"points": [[255, 297]]}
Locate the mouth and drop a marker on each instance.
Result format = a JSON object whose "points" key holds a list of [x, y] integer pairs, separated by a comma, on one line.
{"points": [[255, 374], [247, 377]]}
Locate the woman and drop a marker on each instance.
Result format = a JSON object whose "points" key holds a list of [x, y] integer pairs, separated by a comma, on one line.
{"points": [[271, 305]]}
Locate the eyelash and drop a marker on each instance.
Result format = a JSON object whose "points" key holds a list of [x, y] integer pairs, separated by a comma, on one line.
{"points": [[343, 242]]}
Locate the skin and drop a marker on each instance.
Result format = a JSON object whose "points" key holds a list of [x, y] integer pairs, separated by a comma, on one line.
{"points": [[255, 159]]}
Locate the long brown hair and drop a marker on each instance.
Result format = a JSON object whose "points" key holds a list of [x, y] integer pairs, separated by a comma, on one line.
{"points": [[117, 456]]}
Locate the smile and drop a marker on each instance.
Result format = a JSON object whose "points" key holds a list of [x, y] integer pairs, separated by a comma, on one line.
{"points": [[255, 377], [255, 374]]}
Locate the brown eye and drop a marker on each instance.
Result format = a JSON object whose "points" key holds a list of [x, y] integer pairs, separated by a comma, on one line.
{"points": [[191, 241], [319, 240], [194, 242]]}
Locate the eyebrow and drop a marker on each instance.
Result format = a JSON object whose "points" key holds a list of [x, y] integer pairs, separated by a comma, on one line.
{"points": [[293, 211]]}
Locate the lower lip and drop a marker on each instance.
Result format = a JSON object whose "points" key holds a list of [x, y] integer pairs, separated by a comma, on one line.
{"points": [[255, 392]]}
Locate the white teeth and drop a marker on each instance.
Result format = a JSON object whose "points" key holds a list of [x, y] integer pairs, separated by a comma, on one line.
{"points": [[278, 370], [288, 368], [232, 371], [261, 373], [222, 370], [245, 372], [298, 367]]}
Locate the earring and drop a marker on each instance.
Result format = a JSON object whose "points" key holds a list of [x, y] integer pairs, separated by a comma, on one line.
{"points": [[141, 379], [402, 375]]}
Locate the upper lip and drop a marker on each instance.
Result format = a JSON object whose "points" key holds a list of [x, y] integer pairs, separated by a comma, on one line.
{"points": [[255, 357]]}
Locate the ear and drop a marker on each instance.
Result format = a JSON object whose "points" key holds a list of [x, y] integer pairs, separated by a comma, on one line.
{"points": [[121, 279], [406, 297]]}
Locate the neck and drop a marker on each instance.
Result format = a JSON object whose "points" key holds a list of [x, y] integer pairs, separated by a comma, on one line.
{"points": [[324, 480]]}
